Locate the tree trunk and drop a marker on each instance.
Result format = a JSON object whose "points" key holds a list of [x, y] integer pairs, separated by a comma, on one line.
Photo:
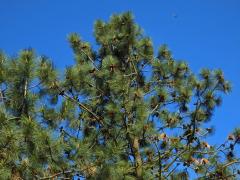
{"points": [[137, 156]]}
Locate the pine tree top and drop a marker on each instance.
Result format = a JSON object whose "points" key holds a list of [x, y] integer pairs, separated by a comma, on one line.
{"points": [[122, 111]]}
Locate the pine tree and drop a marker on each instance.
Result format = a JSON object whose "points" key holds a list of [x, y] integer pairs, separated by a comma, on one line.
{"points": [[120, 112]]}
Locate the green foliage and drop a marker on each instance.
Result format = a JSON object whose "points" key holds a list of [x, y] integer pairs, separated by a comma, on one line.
{"points": [[118, 113]]}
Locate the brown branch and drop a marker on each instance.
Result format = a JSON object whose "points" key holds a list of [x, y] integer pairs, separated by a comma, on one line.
{"points": [[159, 161], [135, 70], [95, 87], [56, 174], [171, 163], [224, 166], [126, 75], [35, 85], [172, 171], [89, 59], [231, 163], [193, 121], [134, 146], [82, 106], [137, 156], [64, 94], [25, 88], [154, 109]]}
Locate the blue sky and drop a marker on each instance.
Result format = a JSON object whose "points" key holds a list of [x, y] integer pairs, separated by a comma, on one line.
{"points": [[204, 33]]}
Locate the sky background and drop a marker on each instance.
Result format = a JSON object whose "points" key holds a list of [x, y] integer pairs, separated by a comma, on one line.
{"points": [[205, 33]]}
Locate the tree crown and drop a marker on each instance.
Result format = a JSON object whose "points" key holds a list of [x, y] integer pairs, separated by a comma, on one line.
{"points": [[120, 112]]}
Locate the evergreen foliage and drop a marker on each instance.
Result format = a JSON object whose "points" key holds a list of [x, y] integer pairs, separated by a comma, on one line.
{"points": [[120, 112]]}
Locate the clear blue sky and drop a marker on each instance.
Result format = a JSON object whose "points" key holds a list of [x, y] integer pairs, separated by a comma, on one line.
{"points": [[204, 33]]}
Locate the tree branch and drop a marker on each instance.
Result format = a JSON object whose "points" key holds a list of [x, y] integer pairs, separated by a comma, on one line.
{"points": [[56, 174], [89, 59]]}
